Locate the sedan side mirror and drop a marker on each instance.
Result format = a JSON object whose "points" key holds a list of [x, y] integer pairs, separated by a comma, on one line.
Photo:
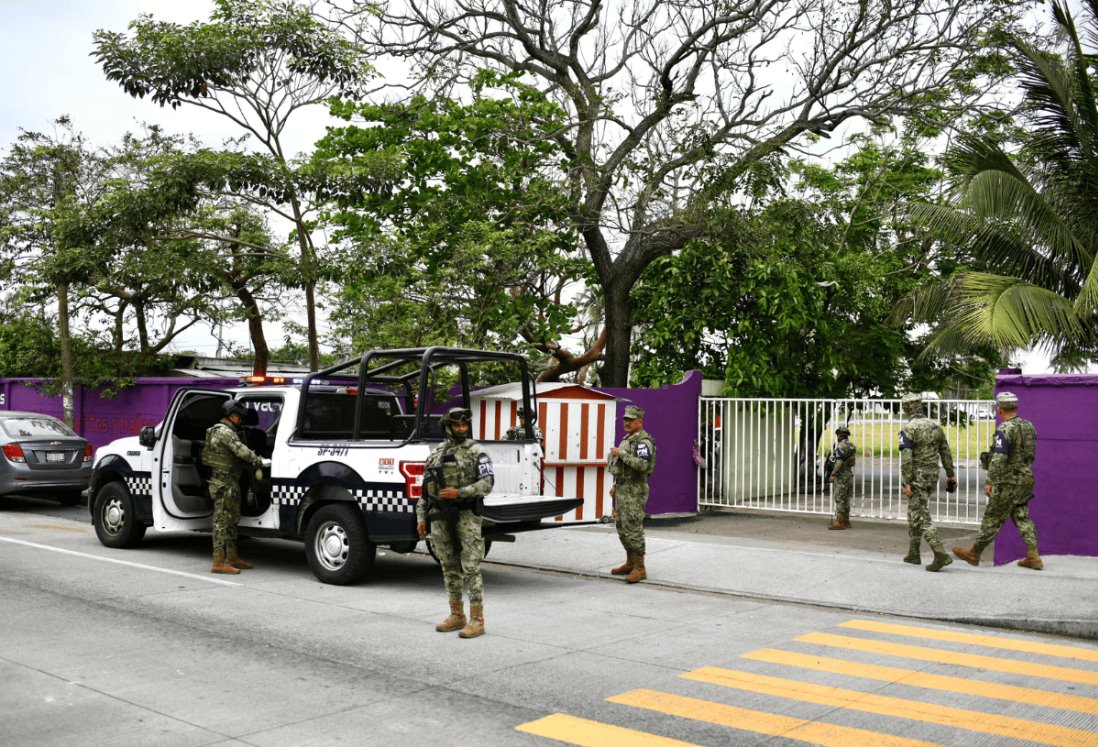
{"points": [[147, 437]]}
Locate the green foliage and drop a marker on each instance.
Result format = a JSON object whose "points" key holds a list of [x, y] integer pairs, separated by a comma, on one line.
{"points": [[453, 232], [1026, 218]]}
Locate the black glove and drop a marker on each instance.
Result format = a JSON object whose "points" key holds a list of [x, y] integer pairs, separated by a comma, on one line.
{"points": [[951, 484]]}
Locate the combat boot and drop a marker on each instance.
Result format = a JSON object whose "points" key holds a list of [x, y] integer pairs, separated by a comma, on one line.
{"points": [[969, 556], [236, 562], [913, 555], [456, 620], [638, 573], [220, 565], [475, 627], [841, 522], [941, 560], [625, 568], [1032, 560]]}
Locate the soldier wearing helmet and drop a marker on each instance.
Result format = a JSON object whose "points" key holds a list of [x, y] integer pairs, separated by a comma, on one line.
{"points": [[1009, 484], [227, 456], [518, 431], [457, 476], [923, 444], [843, 456]]}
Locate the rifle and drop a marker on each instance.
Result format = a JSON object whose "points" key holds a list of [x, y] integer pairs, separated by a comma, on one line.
{"points": [[829, 467]]}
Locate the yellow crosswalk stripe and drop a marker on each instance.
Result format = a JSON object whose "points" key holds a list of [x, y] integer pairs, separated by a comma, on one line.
{"points": [[587, 733], [1063, 701], [974, 639], [881, 705], [922, 653], [759, 722]]}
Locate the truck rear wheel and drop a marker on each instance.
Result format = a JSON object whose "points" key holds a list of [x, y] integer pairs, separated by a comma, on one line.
{"points": [[337, 545], [115, 517]]}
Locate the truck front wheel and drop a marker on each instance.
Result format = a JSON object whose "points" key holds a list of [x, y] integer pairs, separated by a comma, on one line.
{"points": [[337, 545], [115, 517]]}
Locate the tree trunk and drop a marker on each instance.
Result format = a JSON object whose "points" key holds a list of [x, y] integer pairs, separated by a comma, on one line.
{"points": [[619, 335], [67, 373], [308, 275], [255, 331]]}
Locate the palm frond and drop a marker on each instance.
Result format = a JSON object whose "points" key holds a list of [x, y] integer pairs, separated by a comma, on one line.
{"points": [[1010, 313]]}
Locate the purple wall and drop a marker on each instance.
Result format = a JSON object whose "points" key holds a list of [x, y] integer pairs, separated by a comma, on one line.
{"points": [[671, 416], [102, 420], [1062, 409]]}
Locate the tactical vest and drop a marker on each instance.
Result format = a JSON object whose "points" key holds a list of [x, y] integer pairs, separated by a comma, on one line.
{"points": [[215, 454]]}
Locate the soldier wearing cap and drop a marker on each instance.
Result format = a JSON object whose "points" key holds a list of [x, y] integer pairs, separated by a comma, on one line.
{"points": [[630, 463], [1009, 484], [843, 456], [923, 444], [457, 476]]}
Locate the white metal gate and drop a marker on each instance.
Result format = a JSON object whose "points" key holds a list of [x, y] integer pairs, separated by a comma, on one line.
{"points": [[769, 454]]}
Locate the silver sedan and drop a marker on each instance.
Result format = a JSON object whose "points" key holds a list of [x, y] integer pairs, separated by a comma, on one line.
{"points": [[44, 457]]}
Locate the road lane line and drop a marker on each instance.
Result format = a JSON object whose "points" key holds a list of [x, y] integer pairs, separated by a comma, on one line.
{"points": [[987, 641], [1062, 701], [881, 705], [760, 722], [958, 658], [587, 733], [140, 566]]}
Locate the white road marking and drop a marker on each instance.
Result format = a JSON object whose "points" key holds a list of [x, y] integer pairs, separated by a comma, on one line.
{"points": [[140, 566]]}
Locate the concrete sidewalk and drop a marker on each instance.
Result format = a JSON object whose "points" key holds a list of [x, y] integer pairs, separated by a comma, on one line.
{"points": [[794, 558]]}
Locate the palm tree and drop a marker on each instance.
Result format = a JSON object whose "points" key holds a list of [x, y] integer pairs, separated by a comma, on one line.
{"points": [[1030, 220]]}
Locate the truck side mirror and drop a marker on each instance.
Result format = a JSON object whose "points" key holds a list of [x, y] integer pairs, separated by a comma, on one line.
{"points": [[147, 437]]}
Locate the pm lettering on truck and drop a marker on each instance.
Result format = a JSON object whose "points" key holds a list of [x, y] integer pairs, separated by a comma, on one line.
{"points": [[343, 455]]}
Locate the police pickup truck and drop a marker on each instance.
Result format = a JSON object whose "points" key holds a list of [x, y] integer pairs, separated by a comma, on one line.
{"points": [[346, 449]]}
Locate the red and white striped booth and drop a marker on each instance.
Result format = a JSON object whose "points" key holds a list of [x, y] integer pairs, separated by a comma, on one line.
{"points": [[578, 424]]}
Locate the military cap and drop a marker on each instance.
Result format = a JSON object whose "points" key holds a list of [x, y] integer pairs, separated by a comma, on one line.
{"points": [[910, 400], [843, 429], [1007, 400], [632, 411]]}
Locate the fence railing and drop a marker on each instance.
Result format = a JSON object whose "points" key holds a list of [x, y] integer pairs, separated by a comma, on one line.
{"points": [[768, 454]]}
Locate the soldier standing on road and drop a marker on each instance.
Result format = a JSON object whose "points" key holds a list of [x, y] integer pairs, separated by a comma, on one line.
{"points": [[922, 444], [842, 476], [630, 463], [226, 456], [1009, 484], [457, 476]]}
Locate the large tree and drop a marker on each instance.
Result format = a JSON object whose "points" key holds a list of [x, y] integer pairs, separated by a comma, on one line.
{"points": [[257, 63], [1025, 211], [670, 102]]}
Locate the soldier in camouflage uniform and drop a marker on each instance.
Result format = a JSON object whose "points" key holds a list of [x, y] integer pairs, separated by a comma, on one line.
{"points": [[1009, 484], [516, 432], [457, 476], [842, 476], [631, 463], [922, 444], [227, 456]]}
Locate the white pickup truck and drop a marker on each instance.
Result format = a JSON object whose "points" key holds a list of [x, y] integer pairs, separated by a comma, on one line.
{"points": [[346, 448]]}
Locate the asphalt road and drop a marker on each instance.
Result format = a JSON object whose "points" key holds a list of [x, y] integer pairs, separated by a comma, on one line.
{"points": [[108, 647]]}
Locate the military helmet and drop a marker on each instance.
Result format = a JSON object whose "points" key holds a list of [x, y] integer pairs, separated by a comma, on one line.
{"points": [[232, 406], [911, 400], [455, 415], [1007, 400], [842, 430]]}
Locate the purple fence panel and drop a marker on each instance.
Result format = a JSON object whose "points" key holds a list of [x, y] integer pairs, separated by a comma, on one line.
{"points": [[1066, 472], [100, 419], [671, 416]]}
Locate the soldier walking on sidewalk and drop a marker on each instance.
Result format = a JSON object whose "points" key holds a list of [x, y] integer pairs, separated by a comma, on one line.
{"points": [[1009, 485], [923, 444]]}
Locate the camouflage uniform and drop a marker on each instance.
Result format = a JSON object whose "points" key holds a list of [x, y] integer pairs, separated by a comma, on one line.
{"points": [[843, 457], [1010, 473], [456, 529], [630, 471], [922, 444], [227, 457]]}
